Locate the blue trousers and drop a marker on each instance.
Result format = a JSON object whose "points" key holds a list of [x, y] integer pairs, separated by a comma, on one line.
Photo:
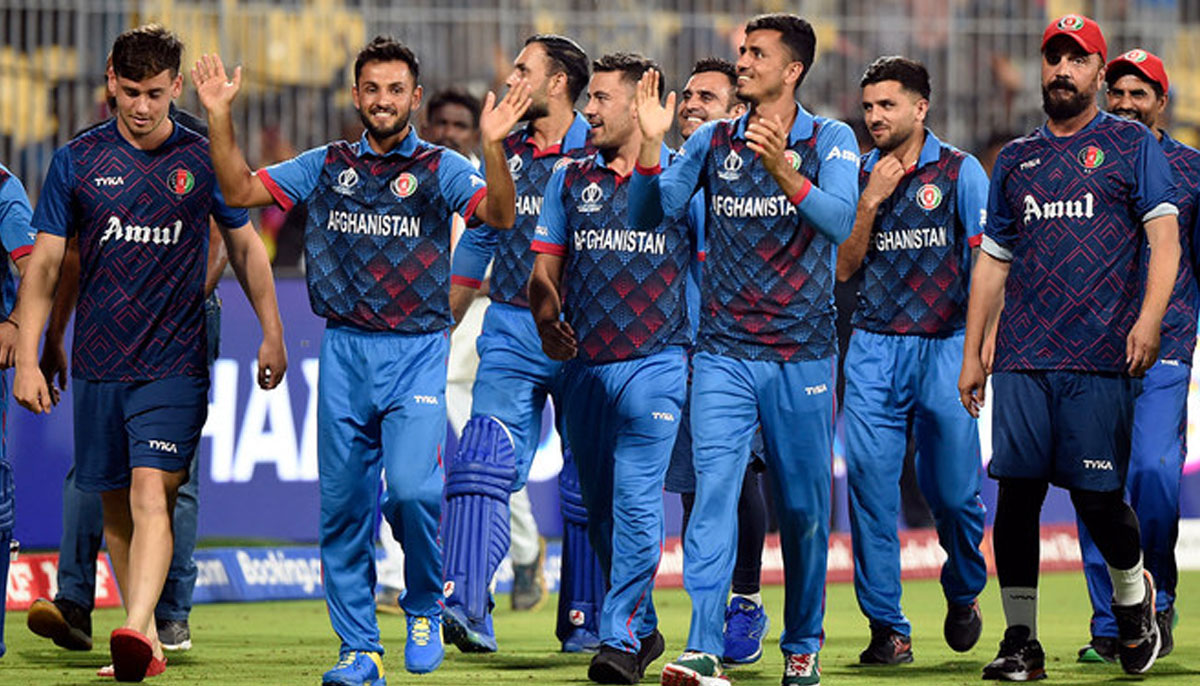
{"points": [[381, 404], [1155, 468], [890, 380], [83, 525], [795, 404], [621, 421], [514, 379]]}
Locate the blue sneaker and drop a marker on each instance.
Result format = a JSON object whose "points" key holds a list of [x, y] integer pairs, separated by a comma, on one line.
{"points": [[423, 652], [581, 641], [746, 625], [356, 668], [468, 635]]}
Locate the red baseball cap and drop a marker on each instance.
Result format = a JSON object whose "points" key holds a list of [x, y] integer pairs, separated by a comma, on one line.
{"points": [[1145, 63], [1082, 30]]}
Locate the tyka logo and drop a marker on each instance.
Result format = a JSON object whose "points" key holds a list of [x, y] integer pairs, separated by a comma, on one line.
{"points": [[164, 446]]}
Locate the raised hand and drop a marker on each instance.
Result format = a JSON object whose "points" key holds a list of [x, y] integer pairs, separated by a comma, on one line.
{"points": [[653, 118], [768, 138], [215, 88], [497, 119]]}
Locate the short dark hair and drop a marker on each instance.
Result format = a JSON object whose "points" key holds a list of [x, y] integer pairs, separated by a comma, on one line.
{"points": [[912, 75], [386, 49], [455, 96], [797, 35], [1124, 69], [144, 52], [724, 66], [565, 56], [631, 65]]}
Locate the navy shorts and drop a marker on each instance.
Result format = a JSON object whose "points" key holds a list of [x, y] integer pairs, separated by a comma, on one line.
{"points": [[1070, 428], [121, 425]]}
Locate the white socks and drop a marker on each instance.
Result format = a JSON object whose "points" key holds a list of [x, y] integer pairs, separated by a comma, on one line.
{"points": [[1020, 607], [1128, 586]]}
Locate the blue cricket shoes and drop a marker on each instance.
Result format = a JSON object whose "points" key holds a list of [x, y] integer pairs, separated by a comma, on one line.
{"points": [[356, 668], [746, 625], [469, 636], [581, 641], [423, 652]]}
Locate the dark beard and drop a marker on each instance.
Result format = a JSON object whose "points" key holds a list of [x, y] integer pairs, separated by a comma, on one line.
{"points": [[536, 111], [1062, 109], [381, 133]]}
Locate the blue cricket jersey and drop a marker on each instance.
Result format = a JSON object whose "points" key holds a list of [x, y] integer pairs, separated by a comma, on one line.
{"points": [[625, 290], [141, 217], [1179, 323], [377, 241], [769, 264], [509, 250], [917, 267], [15, 233], [1068, 213]]}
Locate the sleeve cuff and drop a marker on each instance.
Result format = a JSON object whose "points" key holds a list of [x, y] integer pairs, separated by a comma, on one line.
{"points": [[1165, 209], [974, 241], [647, 171], [801, 194], [991, 247], [281, 198], [469, 213], [456, 280], [556, 249], [21, 252]]}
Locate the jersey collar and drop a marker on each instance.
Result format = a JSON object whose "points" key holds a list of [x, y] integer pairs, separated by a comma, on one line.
{"points": [[931, 151], [665, 155], [406, 148], [802, 127], [575, 138]]}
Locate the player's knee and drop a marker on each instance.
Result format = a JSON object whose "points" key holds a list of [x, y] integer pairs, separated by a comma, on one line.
{"points": [[485, 462]]}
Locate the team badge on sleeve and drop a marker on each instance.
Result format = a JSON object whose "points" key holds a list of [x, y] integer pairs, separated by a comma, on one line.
{"points": [[404, 185], [181, 181], [929, 197]]}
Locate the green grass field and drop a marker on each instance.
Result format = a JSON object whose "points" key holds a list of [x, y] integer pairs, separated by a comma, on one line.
{"points": [[291, 643]]}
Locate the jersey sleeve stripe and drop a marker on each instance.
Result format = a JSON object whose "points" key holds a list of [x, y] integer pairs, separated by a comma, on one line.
{"points": [[456, 280], [473, 203], [21, 252], [991, 247], [281, 198], [1164, 209], [550, 248]]}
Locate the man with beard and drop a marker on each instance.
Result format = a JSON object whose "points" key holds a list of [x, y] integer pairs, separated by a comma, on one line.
{"points": [[377, 247], [612, 303], [452, 120], [515, 377], [710, 94], [1070, 208], [1137, 90], [920, 218], [782, 188]]}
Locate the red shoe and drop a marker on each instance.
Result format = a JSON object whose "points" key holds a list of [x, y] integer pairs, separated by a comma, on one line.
{"points": [[156, 667], [132, 654]]}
